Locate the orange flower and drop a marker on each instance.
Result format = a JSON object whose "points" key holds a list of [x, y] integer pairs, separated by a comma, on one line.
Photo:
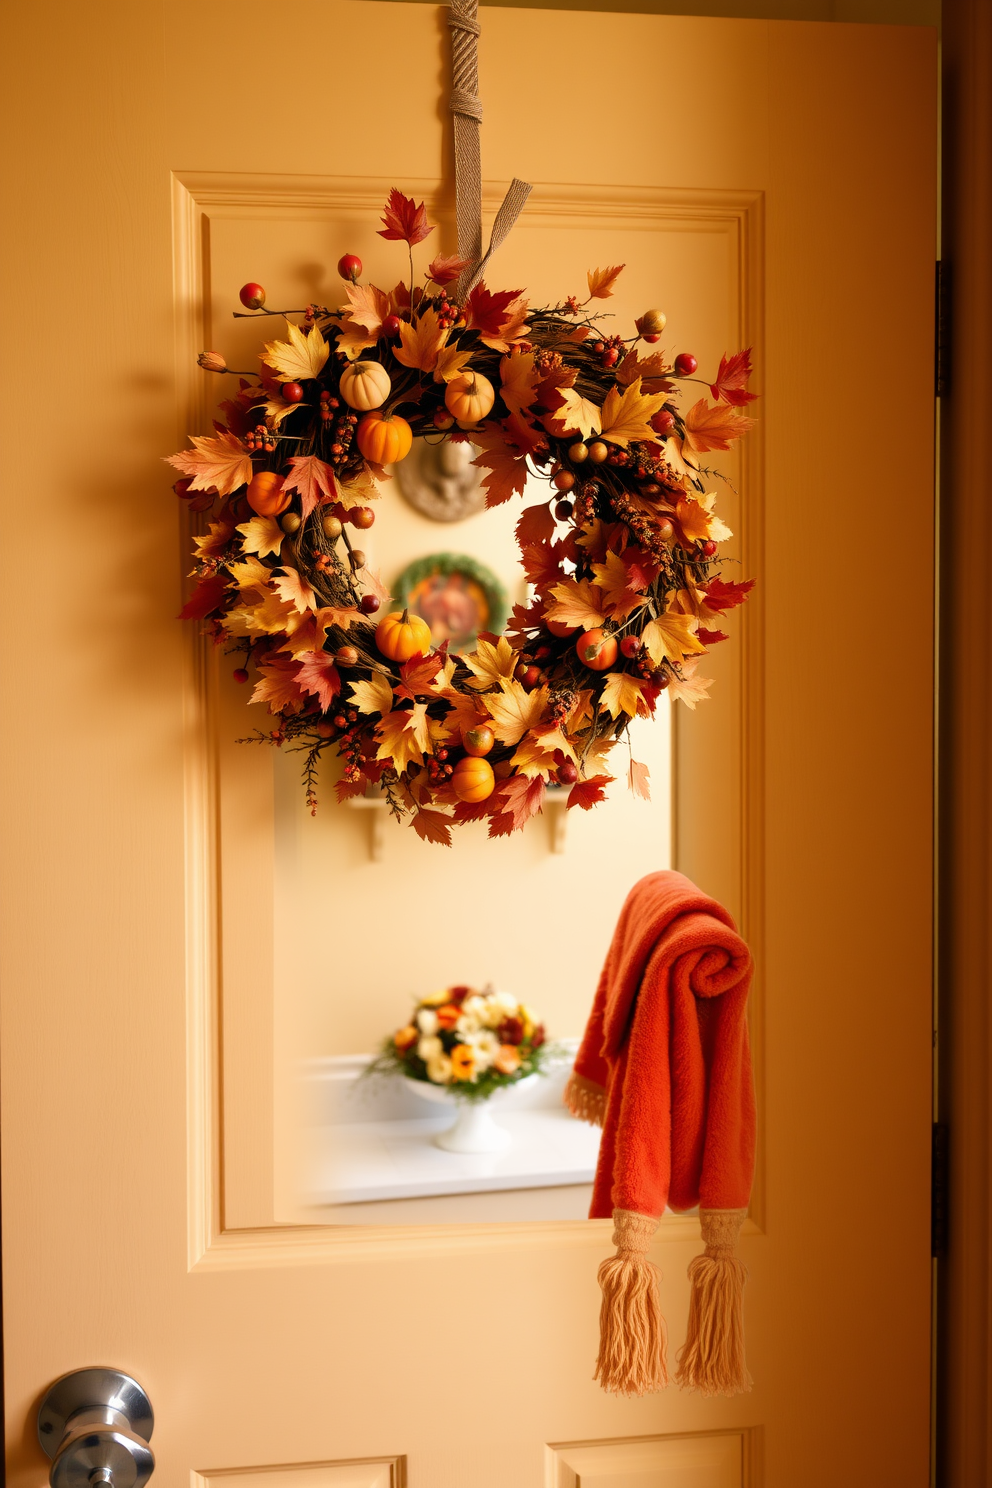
{"points": [[448, 1016], [405, 1037], [462, 1062], [507, 1061]]}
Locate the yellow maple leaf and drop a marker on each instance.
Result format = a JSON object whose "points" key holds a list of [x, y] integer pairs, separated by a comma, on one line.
{"points": [[221, 462], [270, 616], [533, 759], [212, 543], [670, 638], [693, 519], [451, 363], [299, 359], [579, 602], [261, 535], [595, 759], [373, 696], [577, 413], [601, 281], [519, 381], [361, 488], [420, 343], [624, 694], [465, 710], [718, 529], [353, 338], [251, 573], [404, 736], [277, 409], [552, 739], [515, 711], [627, 415], [491, 664]]}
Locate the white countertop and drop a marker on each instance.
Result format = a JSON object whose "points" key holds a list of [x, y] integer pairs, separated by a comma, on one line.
{"points": [[363, 1161]]}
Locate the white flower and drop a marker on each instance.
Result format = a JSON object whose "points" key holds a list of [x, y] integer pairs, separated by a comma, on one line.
{"points": [[507, 1002], [439, 1069], [427, 1021], [493, 1014], [468, 1022], [485, 1046], [429, 1048]]}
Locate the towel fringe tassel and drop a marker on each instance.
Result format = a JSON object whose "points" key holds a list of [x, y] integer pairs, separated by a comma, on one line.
{"points": [[584, 1100], [712, 1358], [633, 1340]]}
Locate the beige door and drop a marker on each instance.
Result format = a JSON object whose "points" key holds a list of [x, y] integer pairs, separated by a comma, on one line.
{"points": [[782, 176]]}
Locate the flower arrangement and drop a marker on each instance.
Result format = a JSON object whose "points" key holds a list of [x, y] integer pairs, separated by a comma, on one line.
{"points": [[473, 1043], [622, 554]]}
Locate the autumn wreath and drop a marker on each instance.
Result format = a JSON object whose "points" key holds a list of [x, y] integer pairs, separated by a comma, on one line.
{"points": [[622, 556]]}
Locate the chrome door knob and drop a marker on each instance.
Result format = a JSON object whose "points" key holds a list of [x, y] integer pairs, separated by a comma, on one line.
{"points": [[95, 1425]]}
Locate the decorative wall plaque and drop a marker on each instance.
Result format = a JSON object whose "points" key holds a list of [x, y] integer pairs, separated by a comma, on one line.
{"points": [[456, 595], [440, 481]]}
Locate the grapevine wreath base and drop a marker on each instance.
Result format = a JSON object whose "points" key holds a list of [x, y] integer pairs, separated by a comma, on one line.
{"points": [[622, 556]]}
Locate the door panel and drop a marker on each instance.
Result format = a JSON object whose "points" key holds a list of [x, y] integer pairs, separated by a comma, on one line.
{"points": [[141, 1197]]}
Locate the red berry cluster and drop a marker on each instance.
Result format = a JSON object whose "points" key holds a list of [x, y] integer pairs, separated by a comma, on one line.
{"points": [[447, 313], [438, 767], [327, 406], [344, 433], [610, 351], [260, 438]]}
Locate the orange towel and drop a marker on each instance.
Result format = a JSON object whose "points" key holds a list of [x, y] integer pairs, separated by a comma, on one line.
{"points": [[665, 1069]]}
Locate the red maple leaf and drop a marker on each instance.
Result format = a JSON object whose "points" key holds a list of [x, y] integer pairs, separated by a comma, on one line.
{"points": [[588, 793], [731, 380], [710, 637], [469, 811], [521, 798], [345, 789], [542, 563], [318, 675], [486, 312], [208, 595], [433, 826], [445, 268], [524, 620], [535, 524], [314, 480], [417, 676], [405, 221], [642, 568], [721, 596]]}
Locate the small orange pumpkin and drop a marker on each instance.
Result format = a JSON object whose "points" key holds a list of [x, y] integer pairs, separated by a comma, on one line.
{"points": [[597, 650], [401, 635], [469, 397], [473, 779], [365, 385], [265, 494], [384, 437]]}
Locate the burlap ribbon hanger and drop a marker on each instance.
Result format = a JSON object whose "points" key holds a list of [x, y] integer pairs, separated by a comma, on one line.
{"points": [[466, 106]]}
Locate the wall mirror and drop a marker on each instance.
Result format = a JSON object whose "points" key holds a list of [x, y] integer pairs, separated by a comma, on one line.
{"points": [[329, 928]]}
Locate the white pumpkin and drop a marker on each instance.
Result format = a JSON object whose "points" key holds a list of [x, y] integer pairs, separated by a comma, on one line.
{"points": [[365, 385]]}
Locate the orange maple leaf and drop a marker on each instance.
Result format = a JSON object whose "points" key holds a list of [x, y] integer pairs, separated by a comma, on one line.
{"points": [[713, 428], [369, 306], [318, 675], [601, 281], [278, 685], [519, 381], [222, 463], [420, 343], [507, 468]]}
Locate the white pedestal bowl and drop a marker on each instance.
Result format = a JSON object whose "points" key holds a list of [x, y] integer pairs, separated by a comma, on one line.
{"points": [[474, 1130]]}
